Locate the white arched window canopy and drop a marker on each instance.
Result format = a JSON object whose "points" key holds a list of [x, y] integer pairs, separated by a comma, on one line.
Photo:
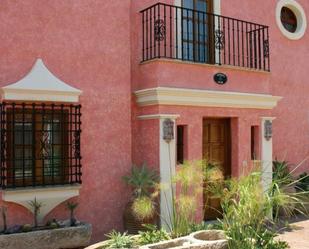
{"points": [[40, 85]]}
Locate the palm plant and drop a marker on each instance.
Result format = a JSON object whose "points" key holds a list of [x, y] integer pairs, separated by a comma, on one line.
{"points": [[36, 206], [71, 206], [142, 207], [142, 180]]}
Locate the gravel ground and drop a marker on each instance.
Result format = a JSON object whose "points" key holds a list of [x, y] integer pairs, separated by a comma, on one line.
{"points": [[298, 235]]}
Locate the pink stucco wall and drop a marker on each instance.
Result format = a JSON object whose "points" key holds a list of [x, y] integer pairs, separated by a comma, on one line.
{"points": [[95, 46], [87, 45], [287, 78]]}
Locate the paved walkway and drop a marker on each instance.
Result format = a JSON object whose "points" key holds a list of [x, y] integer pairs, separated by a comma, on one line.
{"points": [[298, 237]]}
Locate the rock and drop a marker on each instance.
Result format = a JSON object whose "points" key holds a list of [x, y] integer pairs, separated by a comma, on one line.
{"points": [[68, 237], [14, 229], [64, 223], [26, 228]]}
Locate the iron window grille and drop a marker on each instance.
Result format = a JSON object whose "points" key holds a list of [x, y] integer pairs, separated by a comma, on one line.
{"points": [[40, 144]]}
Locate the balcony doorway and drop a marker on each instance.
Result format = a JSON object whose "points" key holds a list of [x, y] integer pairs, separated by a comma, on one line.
{"points": [[197, 29]]}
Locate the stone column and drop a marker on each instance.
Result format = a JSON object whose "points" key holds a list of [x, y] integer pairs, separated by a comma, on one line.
{"points": [[167, 171], [266, 151]]}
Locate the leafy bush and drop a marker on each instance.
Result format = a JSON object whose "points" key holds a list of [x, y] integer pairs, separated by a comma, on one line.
{"points": [[119, 240], [204, 226], [247, 208], [152, 235], [143, 208]]}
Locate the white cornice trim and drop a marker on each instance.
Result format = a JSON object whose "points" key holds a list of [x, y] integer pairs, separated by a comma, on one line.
{"points": [[194, 97], [40, 85], [158, 116]]}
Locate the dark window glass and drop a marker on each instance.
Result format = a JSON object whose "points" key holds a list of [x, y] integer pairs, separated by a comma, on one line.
{"points": [[288, 19], [40, 144], [196, 27], [180, 144]]}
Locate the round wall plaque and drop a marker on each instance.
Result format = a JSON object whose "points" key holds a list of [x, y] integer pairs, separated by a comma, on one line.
{"points": [[220, 78]]}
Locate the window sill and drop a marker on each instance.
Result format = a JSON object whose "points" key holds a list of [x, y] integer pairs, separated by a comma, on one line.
{"points": [[164, 60], [50, 197]]}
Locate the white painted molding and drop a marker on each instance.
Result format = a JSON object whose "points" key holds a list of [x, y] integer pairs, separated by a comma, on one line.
{"points": [[194, 97], [40, 85], [300, 15], [50, 197], [158, 116], [217, 7]]}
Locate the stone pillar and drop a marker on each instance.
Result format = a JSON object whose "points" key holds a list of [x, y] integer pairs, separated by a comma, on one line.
{"points": [[167, 171], [266, 151], [167, 164]]}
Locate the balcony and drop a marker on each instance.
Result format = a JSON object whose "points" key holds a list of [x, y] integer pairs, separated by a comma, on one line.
{"points": [[178, 33]]}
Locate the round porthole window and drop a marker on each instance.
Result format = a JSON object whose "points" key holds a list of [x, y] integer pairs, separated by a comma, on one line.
{"points": [[291, 19]]}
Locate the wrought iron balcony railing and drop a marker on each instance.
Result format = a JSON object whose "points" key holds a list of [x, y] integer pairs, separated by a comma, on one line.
{"points": [[174, 32]]}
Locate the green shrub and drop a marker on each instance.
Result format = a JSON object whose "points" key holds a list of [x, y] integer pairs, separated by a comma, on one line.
{"points": [[119, 240], [247, 208], [204, 226], [143, 208], [281, 173], [152, 235]]}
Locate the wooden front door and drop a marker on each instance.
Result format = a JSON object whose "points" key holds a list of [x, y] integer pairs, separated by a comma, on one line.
{"points": [[216, 150]]}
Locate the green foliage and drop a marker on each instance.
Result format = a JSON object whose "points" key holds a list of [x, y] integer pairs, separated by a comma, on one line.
{"points": [[204, 226], [36, 206], [143, 208], [302, 182], [152, 235], [119, 240], [247, 209], [71, 206], [26, 228], [189, 179], [281, 173], [142, 180]]}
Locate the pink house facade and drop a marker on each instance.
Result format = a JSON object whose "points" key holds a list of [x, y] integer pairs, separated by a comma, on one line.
{"points": [[90, 87]]}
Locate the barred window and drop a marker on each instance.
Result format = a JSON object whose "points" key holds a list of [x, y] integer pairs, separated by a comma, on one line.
{"points": [[40, 144]]}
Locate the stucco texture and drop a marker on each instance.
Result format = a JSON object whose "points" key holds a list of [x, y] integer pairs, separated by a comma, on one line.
{"points": [[86, 44]]}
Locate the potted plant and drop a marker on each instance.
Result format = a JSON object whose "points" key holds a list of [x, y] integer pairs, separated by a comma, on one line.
{"points": [[141, 209]]}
